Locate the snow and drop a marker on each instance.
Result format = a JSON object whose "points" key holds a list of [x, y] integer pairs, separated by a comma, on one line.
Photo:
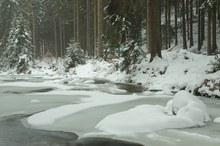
{"points": [[217, 120], [35, 101], [178, 69], [189, 112], [186, 105], [52, 115], [32, 84]]}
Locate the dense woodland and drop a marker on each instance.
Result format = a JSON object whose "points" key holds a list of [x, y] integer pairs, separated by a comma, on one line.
{"points": [[108, 29]]}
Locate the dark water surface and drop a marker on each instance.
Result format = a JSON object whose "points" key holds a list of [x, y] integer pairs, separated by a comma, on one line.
{"points": [[13, 133]]}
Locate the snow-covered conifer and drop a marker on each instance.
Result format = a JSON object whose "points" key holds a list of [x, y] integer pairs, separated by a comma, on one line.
{"points": [[74, 55], [19, 43]]}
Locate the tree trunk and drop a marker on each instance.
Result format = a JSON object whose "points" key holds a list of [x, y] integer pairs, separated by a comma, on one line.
{"points": [[187, 19], [191, 23], [202, 25], [74, 21], [166, 24], [61, 37], [209, 49], [100, 27], [199, 26], [34, 36], [169, 23], [77, 23], [95, 28], [176, 27], [55, 36], [218, 7], [89, 28], [154, 31], [214, 43], [184, 25]]}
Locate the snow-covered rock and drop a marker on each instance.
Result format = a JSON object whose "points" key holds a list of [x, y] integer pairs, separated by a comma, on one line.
{"points": [[185, 110], [186, 105], [217, 120]]}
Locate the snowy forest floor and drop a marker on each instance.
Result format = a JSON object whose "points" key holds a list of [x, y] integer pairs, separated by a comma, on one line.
{"points": [[177, 70], [94, 92]]}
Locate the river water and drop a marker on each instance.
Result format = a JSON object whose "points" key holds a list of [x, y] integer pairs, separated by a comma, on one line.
{"points": [[17, 103]]}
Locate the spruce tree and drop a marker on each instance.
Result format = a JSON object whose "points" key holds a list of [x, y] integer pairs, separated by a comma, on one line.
{"points": [[74, 55], [18, 52]]}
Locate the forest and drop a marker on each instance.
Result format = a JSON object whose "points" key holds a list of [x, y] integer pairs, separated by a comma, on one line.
{"points": [[110, 72], [104, 28]]}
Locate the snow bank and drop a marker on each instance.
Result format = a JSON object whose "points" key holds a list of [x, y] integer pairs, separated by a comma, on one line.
{"points": [[91, 99], [188, 112], [217, 120], [186, 105]]}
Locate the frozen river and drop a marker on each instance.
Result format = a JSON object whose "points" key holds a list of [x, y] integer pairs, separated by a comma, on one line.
{"points": [[24, 96]]}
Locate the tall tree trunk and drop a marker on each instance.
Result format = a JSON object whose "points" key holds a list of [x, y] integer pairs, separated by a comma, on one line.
{"points": [[61, 36], [64, 40], [154, 31], [202, 25], [187, 19], [89, 28], [199, 26], [176, 26], [191, 23], [34, 36], [209, 49], [218, 7], [214, 43], [95, 28], [100, 27], [184, 25], [169, 23], [77, 22], [55, 36], [166, 24], [74, 21]]}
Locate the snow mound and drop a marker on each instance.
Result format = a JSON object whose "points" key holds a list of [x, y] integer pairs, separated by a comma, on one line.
{"points": [[34, 101], [184, 111], [186, 105], [217, 120]]}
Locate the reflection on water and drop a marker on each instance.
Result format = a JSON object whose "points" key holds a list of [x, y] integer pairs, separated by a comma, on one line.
{"points": [[94, 141], [13, 133]]}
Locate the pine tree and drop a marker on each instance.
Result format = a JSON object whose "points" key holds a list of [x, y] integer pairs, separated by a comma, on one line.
{"points": [[19, 47], [74, 55]]}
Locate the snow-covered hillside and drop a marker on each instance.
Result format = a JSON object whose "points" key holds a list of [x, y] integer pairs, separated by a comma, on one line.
{"points": [[177, 70]]}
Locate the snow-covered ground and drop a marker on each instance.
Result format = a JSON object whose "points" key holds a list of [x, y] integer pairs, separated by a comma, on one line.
{"points": [[75, 102], [148, 119], [179, 69]]}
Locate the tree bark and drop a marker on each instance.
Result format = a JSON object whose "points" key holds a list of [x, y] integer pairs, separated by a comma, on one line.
{"points": [[166, 24], [176, 27], [61, 37], [77, 23], [184, 25], [55, 36], [191, 23], [214, 43], [209, 49], [199, 26], [100, 28], [34, 35], [89, 28], [154, 31]]}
